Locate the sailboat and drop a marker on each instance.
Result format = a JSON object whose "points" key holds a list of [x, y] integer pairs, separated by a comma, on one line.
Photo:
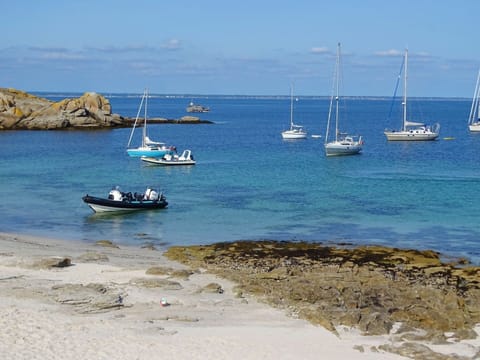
{"points": [[148, 147], [344, 144], [296, 131], [411, 131], [474, 118]]}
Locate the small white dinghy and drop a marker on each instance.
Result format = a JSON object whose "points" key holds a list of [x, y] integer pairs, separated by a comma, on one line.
{"points": [[172, 160]]}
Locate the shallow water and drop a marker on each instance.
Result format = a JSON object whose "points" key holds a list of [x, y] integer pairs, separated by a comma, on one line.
{"points": [[249, 183]]}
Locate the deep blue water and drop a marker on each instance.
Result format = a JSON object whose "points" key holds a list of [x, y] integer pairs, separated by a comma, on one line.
{"points": [[249, 183]]}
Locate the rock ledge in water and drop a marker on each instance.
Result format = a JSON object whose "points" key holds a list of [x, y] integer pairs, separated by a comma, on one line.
{"points": [[20, 110]]}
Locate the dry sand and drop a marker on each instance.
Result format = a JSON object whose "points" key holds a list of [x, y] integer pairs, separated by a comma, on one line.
{"points": [[53, 313]]}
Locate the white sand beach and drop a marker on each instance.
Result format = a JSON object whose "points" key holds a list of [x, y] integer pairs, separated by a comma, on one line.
{"points": [[105, 306]]}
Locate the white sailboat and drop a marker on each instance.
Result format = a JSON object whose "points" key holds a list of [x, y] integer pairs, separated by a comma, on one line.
{"points": [[344, 144], [148, 147], [474, 118], [296, 131], [411, 131]]}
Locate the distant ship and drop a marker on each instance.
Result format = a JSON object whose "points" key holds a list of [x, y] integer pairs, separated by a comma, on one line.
{"points": [[197, 108]]}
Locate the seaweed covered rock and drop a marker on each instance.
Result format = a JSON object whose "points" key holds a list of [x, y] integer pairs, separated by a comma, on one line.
{"points": [[370, 287]]}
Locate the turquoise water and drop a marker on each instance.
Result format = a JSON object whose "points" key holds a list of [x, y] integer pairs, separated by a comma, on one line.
{"points": [[249, 183]]}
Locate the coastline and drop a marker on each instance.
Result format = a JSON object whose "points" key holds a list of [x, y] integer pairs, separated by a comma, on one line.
{"points": [[185, 120], [106, 305]]}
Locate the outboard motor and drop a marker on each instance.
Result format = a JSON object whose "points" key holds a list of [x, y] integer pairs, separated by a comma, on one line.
{"points": [[146, 196], [115, 194], [153, 195]]}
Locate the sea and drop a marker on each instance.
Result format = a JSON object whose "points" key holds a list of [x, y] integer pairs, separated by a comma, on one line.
{"points": [[248, 183]]}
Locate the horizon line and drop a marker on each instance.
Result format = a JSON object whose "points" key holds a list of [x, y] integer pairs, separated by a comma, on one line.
{"points": [[205, 96]]}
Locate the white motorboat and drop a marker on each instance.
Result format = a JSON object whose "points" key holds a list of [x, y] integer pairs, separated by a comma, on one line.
{"points": [[296, 131], [411, 130], [172, 160], [474, 117], [196, 108], [344, 144]]}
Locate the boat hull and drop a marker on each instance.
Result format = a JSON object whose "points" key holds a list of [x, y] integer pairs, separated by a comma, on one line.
{"points": [[106, 205], [195, 108], [294, 135], [138, 152], [339, 149], [474, 127], [161, 161], [410, 136]]}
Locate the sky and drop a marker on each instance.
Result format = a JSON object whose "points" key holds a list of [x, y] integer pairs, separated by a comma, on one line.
{"points": [[243, 47]]}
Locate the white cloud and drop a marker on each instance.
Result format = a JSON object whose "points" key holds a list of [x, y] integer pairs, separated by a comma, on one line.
{"points": [[319, 50], [423, 54], [121, 49], [388, 53], [47, 49], [53, 55], [172, 44]]}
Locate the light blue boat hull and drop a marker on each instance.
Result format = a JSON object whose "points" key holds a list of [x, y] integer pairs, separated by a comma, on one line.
{"points": [[148, 152]]}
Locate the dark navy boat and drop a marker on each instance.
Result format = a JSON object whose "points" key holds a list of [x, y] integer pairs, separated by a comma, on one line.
{"points": [[121, 201]]}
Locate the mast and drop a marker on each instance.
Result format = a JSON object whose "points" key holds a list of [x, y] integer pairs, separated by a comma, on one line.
{"points": [[405, 92], [144, 132], [136, 120], [334, 96], [337, 91], [475, 102], [291, 107]]}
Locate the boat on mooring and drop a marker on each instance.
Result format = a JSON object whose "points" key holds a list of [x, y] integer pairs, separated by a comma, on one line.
{"points": [[411, 130], [148, 147], [343, 144], [172, 160], [296, 131], [118, 200], [474, 117], [196, 108]]}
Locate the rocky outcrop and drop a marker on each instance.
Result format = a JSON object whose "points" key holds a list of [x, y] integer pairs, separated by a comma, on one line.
{"points": [[371, 288], [20, 110], [183, 120]]}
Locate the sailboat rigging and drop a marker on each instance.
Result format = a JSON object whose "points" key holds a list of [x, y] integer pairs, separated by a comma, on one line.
{"points": [[344, 144], [474, 117], [411, 131], [295, 131], [147, 147]]}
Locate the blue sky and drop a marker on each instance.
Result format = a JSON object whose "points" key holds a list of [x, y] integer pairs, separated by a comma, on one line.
{"points": [[242, 47]]}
